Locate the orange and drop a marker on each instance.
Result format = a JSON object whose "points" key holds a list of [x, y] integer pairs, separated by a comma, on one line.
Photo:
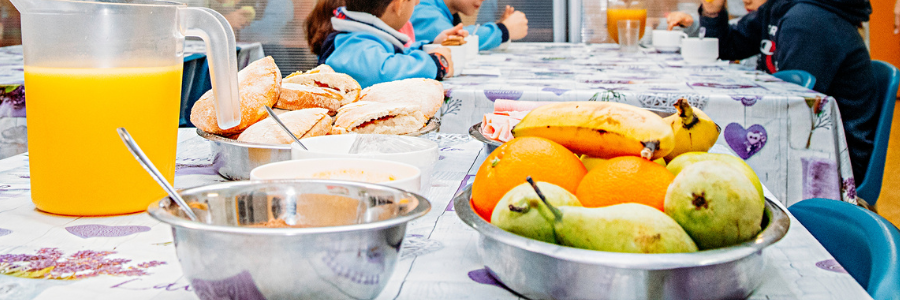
{"points": [[625, 179], [509, 164]]}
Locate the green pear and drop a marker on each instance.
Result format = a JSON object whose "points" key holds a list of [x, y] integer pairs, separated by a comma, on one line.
{"points": [[682, 161], [715, 203], [627, 227], [517, 212]]}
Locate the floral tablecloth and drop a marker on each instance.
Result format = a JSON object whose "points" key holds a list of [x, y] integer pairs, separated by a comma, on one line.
{"points": [[13, 137], [791, 136], [133, 257]]}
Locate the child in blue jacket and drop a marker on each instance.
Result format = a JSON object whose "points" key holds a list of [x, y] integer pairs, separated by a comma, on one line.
{"points": [[432, 17], [362, 40]]}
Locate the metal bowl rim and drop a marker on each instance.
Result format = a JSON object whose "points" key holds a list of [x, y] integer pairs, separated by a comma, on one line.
{"points": [[159, 214], [475, 132], [777, 228]]}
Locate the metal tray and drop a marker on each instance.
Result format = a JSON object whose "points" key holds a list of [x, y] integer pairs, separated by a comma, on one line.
{"points": [[235, 159], [540, 270]]}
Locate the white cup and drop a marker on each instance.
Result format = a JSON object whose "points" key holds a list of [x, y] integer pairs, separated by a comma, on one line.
{"points": [[700, 51], [472, 43], [667, 41], [457, 54]]}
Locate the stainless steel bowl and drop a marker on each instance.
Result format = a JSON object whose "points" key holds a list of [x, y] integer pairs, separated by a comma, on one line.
{"points": [[542, 270], [235, 159], [350, 254]]}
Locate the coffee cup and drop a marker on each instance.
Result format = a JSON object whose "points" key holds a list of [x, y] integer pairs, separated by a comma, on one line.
{"points": [[700, 50], [472, 43], [667, 41]]}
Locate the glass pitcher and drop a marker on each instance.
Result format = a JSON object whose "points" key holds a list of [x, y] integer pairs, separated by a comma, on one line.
{"points": [[94, 66], [624, 10]]}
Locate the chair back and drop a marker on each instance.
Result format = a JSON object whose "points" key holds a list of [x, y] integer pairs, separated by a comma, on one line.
{"points": [[864, 243], [798, 77], [886, 80]]}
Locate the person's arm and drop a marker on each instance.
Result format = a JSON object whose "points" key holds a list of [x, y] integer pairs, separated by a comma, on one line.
{"points": [[370, 60], [428, 22], [490, 35], [738, 41]]}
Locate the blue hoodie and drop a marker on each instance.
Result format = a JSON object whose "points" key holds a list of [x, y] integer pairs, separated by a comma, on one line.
{"points": [[371, 52], [432, 17], [819, 37]]}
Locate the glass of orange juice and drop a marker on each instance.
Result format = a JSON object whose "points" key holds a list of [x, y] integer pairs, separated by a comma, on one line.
{"points": [[91, 67], [624, 10]]}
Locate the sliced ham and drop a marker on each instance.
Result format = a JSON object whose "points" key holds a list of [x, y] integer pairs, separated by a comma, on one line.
{"points": [[498, 127], [501, 105]]}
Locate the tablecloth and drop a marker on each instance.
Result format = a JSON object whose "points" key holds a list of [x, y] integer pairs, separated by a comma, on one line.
{"points": [[13, 136], [791, 136], [438, 260]]}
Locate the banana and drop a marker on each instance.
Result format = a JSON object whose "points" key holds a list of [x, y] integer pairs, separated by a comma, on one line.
{"points": [[694, 130], [600, 129]]}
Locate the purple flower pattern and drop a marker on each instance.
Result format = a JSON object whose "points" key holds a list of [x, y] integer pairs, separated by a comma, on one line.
{"points": [[48, 263]]}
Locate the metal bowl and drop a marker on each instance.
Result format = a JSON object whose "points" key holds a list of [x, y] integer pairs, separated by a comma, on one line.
{"points": [[540, 270], [349, 255], [235, 159]]}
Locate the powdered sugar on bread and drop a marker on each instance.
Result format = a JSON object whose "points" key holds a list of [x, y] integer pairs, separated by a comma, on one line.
{"points": [[302, 123], [427, 94], [258, 85]]}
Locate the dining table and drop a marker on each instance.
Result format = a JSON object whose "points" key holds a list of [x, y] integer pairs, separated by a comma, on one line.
{"points": [[195, 82], [791, 136], [133, 256]]}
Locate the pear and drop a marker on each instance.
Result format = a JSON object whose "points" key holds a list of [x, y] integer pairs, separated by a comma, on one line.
{"points": [[680, 162], [627, 227], [715, 203], [517, 212]]}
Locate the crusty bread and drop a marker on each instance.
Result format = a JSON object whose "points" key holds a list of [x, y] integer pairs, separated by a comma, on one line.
{"points": [[302, 123], [426, 93], [299, 96], [377, 117], [341, 83], [258, 85], [323, 68]]}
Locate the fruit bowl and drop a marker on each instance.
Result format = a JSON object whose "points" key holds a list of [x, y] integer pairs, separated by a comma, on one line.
{"points": [[540, 270]]}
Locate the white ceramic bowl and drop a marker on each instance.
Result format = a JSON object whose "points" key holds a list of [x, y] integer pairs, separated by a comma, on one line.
{"points": [[338, 146], [389, 173]]}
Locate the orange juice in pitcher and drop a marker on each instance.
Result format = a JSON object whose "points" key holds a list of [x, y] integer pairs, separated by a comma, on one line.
{"points": [[97, 101], [629, 10], [94, 66]]}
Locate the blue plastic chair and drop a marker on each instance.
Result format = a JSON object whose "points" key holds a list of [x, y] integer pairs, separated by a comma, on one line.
{"points": [[886, 80], [864, 243], [798, 77]]}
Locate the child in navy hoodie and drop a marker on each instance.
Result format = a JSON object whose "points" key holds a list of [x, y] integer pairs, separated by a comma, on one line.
{"points": [[362, 40], [817, 36]]}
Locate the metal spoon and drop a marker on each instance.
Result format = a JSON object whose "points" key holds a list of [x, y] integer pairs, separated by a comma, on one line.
{"points": [[702, 33], [277, 120], [148, 165]]}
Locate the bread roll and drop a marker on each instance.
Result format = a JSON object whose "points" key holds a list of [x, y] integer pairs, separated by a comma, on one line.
{"points": [[341, 83], [302, 123], [299, 96], [379, 118], [258, 85], [426, 93]]}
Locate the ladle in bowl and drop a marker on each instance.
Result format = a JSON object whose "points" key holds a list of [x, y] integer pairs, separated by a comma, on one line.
{"points": [[148, 165], [286, 130]]}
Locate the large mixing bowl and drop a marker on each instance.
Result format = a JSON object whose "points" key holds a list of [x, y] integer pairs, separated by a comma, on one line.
{"points": [[349, 253], [540, 270]]}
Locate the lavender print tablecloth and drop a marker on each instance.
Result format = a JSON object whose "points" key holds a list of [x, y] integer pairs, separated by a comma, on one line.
{"points": [[13, 137], [791, 136], [132, 256]]}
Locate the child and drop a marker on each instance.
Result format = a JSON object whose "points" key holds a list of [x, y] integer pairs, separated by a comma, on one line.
{"points": [[361, 40], [432, 17]]}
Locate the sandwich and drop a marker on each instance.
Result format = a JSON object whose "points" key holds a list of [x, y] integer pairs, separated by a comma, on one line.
{"points": [[378, 118], [302, 123], [258, 85], [426, 94], [327, 88]]}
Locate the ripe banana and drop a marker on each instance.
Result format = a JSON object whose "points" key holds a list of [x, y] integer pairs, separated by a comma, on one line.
{"points": [[600, 129], [694, 130]]}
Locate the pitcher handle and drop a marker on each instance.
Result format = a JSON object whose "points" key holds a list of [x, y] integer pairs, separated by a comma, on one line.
{"points": [[215, 31]]}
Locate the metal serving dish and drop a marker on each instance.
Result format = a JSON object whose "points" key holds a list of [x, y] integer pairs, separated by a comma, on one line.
{"points": [[235, 159], [350, 256], [540, 270]]}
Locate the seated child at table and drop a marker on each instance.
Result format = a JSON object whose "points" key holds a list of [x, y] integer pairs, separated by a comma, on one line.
{"points": [[817, 36], [432, 17], [361, 40]]}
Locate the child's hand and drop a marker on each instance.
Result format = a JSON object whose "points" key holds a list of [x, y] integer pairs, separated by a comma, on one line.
{"points": [[677, 18], [238, 19], [508, 12], [517, 25], [456, 30], [446, 53]]}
